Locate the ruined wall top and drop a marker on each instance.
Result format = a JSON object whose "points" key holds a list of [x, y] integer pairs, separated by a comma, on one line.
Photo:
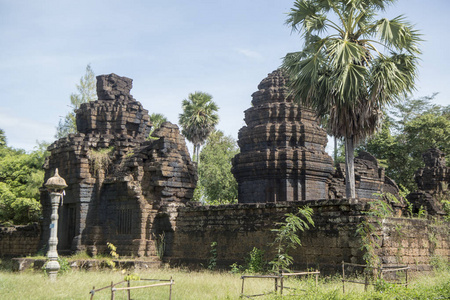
{"points": [[114, 87], [116, 112], [434, 158]]}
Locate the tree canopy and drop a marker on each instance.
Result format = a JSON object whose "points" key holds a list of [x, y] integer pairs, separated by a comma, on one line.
{"points": [[216, 181], [21, 176], [351, 67], [198, 119], [157, 120], [412, 127], [86, 93]]}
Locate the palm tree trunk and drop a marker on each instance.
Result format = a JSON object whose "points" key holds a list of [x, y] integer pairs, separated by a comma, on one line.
{"points": [[335, 151], [350, 168], [194, 158]]}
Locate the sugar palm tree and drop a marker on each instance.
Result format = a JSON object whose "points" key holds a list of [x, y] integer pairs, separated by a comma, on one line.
{"points": [[157, 120], [198, 119], [351, 67]]}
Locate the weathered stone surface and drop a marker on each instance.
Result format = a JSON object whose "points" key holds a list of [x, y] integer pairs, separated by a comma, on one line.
{"points": [[282, 155], [118, 181], [19, 240], [433, 183], [114, 87], [370, 180]]}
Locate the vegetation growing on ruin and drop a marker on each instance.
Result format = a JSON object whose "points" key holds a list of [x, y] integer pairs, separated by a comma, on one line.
{"points": [[287, 236], [101, 159]]}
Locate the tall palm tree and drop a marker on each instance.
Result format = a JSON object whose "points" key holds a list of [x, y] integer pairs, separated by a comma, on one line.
{"points": [[353, 72], [198, 119]]}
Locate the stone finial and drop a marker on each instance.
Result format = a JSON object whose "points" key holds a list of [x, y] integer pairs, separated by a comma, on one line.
{"points": [[114, 87], [56, 182]]}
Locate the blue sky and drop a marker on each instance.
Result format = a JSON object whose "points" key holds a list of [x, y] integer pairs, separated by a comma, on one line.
{"points": [[169, 49]]}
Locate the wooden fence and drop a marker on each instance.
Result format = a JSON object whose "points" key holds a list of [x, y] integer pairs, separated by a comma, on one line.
{"points": [[113, 287], [377, 273], [278, 280]]}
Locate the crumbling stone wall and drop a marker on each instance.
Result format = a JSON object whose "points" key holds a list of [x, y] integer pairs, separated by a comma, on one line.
{"points": [[238, 228], [19, 240], [433, 183]]}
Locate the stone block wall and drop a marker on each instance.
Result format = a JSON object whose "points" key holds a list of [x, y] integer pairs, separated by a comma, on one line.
{"points": [[238, 228], [19, 240]]}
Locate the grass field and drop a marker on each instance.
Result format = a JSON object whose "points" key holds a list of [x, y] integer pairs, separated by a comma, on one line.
{"points": [[207, 285]]}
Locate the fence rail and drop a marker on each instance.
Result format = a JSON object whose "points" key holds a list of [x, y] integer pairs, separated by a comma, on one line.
{"points": [[378, 274], [278, 281], [128, 288]]}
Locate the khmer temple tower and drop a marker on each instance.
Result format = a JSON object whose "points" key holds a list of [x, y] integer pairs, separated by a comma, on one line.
{"points": [[282, 154], [120, 181]]}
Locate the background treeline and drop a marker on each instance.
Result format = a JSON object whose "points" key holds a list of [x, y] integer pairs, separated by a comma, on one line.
{"points": [[409, 129], [21, 176]]}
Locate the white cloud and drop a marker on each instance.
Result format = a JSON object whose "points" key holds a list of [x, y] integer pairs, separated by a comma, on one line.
{"points": [[250, 53]]}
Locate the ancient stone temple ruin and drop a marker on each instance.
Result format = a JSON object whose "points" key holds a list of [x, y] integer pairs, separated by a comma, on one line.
{"points": [[433, 183], [127, 189], [120, 181], [283, 154]]}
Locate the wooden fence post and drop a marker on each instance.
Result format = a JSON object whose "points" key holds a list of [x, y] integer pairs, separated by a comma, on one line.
{"points": [[281, 284], [128, 285], [317, 278], [170, 288], [92, 292], [112, 291]]}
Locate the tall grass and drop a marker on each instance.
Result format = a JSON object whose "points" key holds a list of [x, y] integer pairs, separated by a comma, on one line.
{"points": [[207, 285]]}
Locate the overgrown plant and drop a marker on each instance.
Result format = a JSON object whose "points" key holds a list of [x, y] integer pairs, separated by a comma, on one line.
{"points": [[255, 261], [367, 230], [160, 243], [101, 159], [446, 207], [113, 253], [287, 237], [212, 261]]}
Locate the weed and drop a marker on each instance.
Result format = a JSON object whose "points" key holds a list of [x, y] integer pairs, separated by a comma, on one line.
{"points": [[255, 261], [287, 237], [160, 241], [101, 159], [212, 262]]}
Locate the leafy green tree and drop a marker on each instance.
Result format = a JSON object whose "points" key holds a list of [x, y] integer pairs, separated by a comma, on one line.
{"points": [[157, 120], [86, 93], [21, 176], [215, 178], [198, 119], [412, 127], [343, 75], [2, 139]]}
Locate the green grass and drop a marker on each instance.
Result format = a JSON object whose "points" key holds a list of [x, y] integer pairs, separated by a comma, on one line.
{"points": [[206, 285]]}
